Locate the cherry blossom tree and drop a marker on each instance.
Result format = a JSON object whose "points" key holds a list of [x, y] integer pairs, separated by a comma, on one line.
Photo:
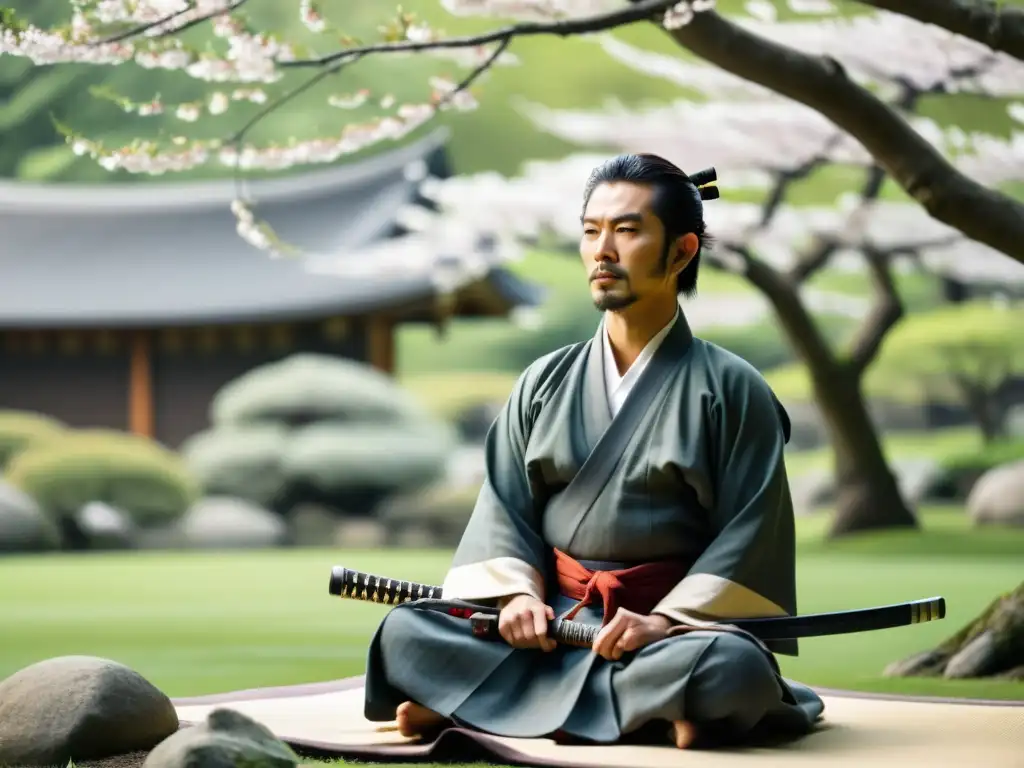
{"points": [[767, 143], [820, 64]]}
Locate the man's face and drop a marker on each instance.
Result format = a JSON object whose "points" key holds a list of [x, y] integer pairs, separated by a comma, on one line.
{"points": [[622, 245]]}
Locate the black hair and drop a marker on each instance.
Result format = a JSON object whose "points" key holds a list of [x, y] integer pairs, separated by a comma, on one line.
{"points": [[677, 201]]}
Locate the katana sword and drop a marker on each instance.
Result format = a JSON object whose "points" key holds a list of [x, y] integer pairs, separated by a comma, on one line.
{"points": [[357, 585]]}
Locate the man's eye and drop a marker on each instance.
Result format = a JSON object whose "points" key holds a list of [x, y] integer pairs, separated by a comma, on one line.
{"points": [[627, 229]]}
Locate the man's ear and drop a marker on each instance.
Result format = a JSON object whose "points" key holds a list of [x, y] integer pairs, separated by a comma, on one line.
{"points": [[686, 247]]}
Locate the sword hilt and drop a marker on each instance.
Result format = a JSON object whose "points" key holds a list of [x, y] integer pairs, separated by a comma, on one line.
{"points": [[562, 631], [357, 585]]}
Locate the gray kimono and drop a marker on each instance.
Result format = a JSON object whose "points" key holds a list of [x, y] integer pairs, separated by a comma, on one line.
{"points": [[691, 469]]}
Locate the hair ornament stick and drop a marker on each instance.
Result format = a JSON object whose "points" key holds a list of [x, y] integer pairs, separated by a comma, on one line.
{"points": [[704, 180]]}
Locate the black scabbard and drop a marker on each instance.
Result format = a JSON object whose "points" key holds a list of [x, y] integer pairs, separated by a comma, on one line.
{"points": [[357, 585]]}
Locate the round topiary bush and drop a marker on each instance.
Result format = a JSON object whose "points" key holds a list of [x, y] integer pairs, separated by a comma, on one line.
{"points": [[318, 429], [21, 429], [344, 455], [138, 476], [243, 461], [307, 388]]}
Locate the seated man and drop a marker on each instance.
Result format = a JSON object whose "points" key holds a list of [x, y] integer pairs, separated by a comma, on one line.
{"points": [[636, 481]]}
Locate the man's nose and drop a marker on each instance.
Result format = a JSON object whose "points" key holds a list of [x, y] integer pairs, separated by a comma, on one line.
{"points": [[606, 250]]}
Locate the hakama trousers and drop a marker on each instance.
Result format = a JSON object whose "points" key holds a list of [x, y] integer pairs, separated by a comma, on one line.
{"points": [[723, 683]]}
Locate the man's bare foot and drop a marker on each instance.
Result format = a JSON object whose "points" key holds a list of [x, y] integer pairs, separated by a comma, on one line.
{"points": [[415, 720], [683, 733]]}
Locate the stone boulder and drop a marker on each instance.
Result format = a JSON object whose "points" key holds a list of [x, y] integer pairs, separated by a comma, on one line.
{"points": [[80, 708], [224, 522], [104, 527], [23, 525], [227, 739], [998, 496]]}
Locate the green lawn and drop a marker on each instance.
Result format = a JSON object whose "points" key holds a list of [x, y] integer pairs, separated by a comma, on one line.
{"points": [[197, 623]]}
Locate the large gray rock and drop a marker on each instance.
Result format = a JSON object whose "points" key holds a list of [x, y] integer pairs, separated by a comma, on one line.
{"points": [[998, 496], [224, 522], [23, 525], [227, 739], [80, 708]]}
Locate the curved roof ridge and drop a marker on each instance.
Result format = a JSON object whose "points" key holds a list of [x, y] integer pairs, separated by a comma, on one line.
{"points": [[121, 197]]}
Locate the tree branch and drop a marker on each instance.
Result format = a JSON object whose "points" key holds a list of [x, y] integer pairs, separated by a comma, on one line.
{"points": [[995, 24], [948, 195], [817, 255], [886, 312], [812, 259], [796, 321], [646, 10], [141, 29]]}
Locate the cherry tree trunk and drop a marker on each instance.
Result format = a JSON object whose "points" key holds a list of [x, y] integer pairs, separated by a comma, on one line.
{"points": [[990, 646], [868, 495]]}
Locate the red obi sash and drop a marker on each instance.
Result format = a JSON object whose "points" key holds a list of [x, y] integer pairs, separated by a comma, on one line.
{"points": [[638, 589]]}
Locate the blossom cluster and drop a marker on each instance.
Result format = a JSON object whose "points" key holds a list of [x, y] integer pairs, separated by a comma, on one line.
{"points": [[251, 57], [751, 134]]}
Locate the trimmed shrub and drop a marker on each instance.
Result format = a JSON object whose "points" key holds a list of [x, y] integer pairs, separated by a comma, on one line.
{"points": [[21, 429], [243, 461], [138, 476], [318, 429], [307, 388], [335, 457]]}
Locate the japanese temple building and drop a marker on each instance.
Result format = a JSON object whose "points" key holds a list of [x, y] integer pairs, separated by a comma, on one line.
{"points": [[127, 306]]}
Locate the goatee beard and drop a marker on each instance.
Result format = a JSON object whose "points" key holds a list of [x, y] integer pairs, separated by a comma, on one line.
{"points": [[611, 302]]}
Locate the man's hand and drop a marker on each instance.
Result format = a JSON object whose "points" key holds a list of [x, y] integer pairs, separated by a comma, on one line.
{"points": [[629, 631], [523, 623]]}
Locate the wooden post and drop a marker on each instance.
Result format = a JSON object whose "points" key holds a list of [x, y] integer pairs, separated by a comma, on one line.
{"points": [[380, 343], [140, 386]]}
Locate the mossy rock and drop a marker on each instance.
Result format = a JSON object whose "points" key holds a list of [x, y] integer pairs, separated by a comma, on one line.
{"points": [[136, 475], [21, 429]]}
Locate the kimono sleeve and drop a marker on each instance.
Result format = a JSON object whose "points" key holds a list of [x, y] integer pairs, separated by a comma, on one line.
{"points": [[749, 568], [502, 552]]}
